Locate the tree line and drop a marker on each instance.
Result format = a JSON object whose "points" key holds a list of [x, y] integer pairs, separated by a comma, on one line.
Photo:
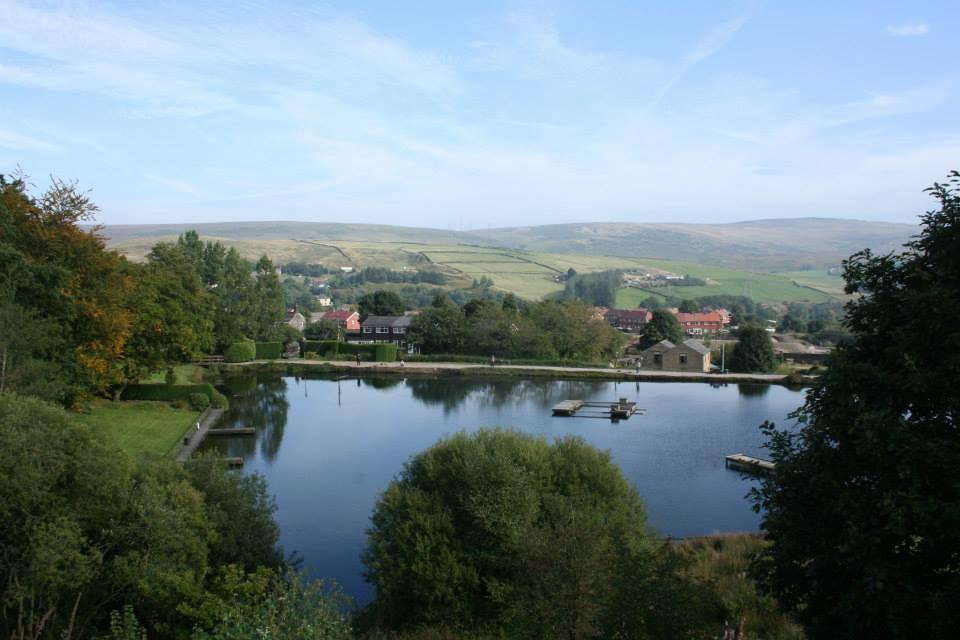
{"points": [[77, 318], [547, 330]]}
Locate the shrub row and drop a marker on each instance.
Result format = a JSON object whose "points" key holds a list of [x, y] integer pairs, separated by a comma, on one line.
{"points": [[247, 350], [446, 357], [174, 393], [269, 350], [331, 349]]}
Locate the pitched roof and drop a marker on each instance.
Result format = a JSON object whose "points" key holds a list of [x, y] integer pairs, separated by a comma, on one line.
{"points": [[712, 316], [340, 314], [388, 321], [664, 344], [640, 314], [697, 346]]}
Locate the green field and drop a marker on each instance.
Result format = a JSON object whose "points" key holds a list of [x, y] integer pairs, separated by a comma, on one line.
{"points": [[529, 275], [818, 280], [140, 427], [762, 287]]}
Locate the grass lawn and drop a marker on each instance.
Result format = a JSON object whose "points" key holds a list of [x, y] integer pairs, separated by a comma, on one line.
{"points": [[184, 374], [140, 427]]}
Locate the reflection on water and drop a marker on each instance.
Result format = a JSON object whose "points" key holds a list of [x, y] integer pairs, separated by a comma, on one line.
{"points": [[452, 393], [263, 405], [753, 390], [329, 446]]}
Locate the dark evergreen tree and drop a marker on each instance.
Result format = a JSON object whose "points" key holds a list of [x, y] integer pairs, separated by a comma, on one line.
{"points": [[753, 352], [864, 509]]}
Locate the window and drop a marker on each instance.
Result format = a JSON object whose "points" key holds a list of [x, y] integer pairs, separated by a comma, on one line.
{"points": [[658, 358], [683, 358], [399, 330], [383, 329], [368, 329]]}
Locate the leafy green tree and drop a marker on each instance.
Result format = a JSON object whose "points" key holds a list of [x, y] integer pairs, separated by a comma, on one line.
{"points": [[440, 329], [598, 289], [236, 314], [174, 313], [753, 352], [291, 607], [381, 303], [864, 510], [82, 525], [269, 308], [689, 306], [500, 530], [240, 510], [510, 303], [322, 330], [662, 326], [574, 332], [65, 275]]}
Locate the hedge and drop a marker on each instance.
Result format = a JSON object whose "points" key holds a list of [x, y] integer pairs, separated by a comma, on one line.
{"points": [[244, 351], [385, 352], [330, 349], [323, 348], [173, 393], [268, 350]]}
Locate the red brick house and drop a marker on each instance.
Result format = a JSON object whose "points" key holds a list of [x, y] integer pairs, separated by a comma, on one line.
{"points": [[630, 320], [700, 324], [347, 320]]}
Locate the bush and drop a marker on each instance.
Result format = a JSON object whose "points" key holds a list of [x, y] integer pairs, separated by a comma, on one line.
{"points": [[218, 400], [269, 350], [323, 348], [199, 401], [487, 528], [243, 351]]}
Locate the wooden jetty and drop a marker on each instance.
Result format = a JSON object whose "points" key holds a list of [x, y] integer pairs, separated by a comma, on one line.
{"points": [[233, 462], [743, 462], [619, 410], [239, 431], [567, 407]]}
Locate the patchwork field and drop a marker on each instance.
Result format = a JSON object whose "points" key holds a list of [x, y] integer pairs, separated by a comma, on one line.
{"points": [[530, 275]]}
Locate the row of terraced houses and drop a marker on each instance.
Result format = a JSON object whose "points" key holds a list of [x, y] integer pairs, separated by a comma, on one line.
{"points": [[702, 324]]}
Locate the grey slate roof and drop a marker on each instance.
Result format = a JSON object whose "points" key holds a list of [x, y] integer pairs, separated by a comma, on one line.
{"points": [[697, 346], [388, 321], [666, 344]]}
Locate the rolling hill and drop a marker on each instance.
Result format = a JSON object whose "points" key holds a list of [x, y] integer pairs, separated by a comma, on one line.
{"points": [[741, 258]]}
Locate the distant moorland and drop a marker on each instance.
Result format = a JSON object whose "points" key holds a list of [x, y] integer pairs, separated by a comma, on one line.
{"points": [[769, 260]]}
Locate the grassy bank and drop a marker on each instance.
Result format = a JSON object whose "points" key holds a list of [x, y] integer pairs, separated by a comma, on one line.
{"points": [[140, 427]]}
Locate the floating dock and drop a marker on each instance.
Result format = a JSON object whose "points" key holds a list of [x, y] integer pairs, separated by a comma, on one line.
{"points": [[619, 410], [239, 431], [233, 462], [567, 407], [743, 462]]}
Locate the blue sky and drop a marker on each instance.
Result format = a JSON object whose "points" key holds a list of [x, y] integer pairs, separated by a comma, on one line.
{"points": [[479, 114]]}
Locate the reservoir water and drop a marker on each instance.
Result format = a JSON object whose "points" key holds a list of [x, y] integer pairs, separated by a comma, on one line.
{"points": [[328, 447]]}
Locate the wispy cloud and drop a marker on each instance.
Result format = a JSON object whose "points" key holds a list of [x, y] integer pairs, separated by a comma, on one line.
{"points": [[161, 70], [910, 30], [708, 46], [179, 186], [19, 142]]}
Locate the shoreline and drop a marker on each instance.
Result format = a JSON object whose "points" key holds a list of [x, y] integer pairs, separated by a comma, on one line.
{"points": [[451, 369]]}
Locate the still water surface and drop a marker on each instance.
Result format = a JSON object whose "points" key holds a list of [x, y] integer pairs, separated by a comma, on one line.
{"points": [[329, 447]]}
